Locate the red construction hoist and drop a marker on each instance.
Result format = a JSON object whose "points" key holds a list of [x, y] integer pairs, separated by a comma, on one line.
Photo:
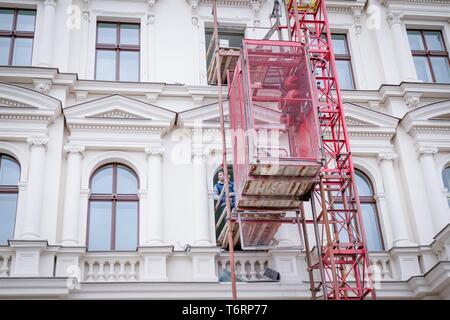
{"points": [[290, 87]]}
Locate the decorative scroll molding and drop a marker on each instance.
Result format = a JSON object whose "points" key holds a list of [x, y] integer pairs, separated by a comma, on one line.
{"points": [[151, 11], [37, 140], [194, 11], [154, 151], [412, 99], [42, 86], [50, 3], [426, 151], [387, 156], [393, 18], [356, 12], [73, 148]]}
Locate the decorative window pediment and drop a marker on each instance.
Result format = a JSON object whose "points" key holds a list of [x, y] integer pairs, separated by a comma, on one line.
{"points": [[25, 112], [17, 100], [359, 116], [208, 116], [118, 112], [430, 119]]}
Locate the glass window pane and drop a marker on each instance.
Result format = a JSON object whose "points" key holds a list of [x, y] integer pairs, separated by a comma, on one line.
{"points": [[441, 69], [363, 185], [100, 222], [6, 19], [107, 33], [129, 34], [345, 74], [446, 178], [373, 236], [434, 40], [126, 181], [25, 20], [339, 43], [106, 65], [422, 69], [9, 171], [23, 49], [102, 181], [5, 43], [415, 40], [8, 205], [129, 66], [126, 225]]}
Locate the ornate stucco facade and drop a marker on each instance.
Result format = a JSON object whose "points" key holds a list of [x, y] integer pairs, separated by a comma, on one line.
{"points": [[61, 125]]}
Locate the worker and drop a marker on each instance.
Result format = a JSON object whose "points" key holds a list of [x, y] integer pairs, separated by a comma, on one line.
{"points": [[218, 187]]}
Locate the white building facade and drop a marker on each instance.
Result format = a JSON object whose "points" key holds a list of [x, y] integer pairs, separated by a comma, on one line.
{"points": [[110, 142]]}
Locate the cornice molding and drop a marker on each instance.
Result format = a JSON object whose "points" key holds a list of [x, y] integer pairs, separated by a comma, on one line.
{"points": [[116, 127]]}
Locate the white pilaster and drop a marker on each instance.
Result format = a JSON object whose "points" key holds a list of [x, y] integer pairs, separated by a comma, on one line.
{"points": [[403, 53], [394, 203], [439, 208], [151, 41], [155, 201], [72, 195], [200, 191], [46, 45], [32, 217]]}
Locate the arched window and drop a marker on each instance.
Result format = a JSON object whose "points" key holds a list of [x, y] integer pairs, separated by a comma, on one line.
{"points": [[446, 178], [113, 209], [9, 178], [369, 212]]}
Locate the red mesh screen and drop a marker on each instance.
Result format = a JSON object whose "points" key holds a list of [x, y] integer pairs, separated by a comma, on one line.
{"points": [[272, 108]]}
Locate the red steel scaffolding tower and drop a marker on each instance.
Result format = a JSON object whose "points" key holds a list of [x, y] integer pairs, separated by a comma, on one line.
{"points": [[342, 262]]}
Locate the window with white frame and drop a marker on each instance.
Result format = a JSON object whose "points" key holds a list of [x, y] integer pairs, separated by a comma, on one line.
{"points": [[117, 51], [16, 36], [446, 179], [9, 191], [113, 209], [430, 55]]}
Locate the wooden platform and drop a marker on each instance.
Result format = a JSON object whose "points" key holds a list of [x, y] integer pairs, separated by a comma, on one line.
{"points": [[229, 57], [256, 233], [282, 186]]}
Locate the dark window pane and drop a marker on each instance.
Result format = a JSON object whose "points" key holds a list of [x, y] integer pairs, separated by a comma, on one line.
{"points": [[434, 40], [8, 205], [126, 225], [441, 69], [339, 44], [9, 171], [129, 34], [129, 66], [100, 226], [345, 74], [22, 51], [106, 65], [226, 39], [126, 181], [422, 69], [6, 19], [415, 40], [363, 185], [446, 178], [373, 236], [5, 43], [107, 33], [102, 181], [25, 20]]}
